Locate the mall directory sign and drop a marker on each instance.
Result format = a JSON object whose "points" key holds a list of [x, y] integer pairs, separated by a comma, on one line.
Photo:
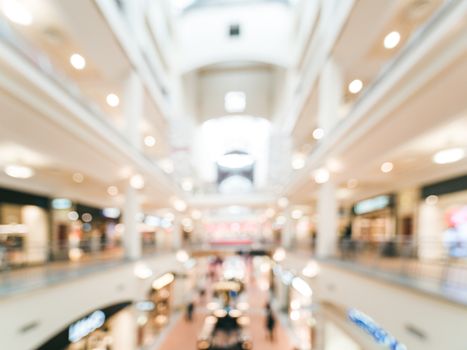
{"points": [[379, 334]]}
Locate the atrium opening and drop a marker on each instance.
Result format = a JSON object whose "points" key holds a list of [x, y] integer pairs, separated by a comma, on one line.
{"points": [[233, 174]]}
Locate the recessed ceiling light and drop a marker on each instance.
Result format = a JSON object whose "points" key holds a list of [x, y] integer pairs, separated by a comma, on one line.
{"points": [[167, 165], [298, 161], [150, 141], [112, 100], [179, 204], [16, 12], [297, 214], [78, 178], [450, 155], [391, 40], [137, 182], [279, 254], [355, 86], [182, 256], [73, 215], [387, 167], [431, 200], [19, 171], [235, 102], [321, 176], [112, 190], [77, 61], [318, 133], [86, 217]]}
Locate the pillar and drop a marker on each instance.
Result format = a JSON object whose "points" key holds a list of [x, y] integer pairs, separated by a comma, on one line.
{"points": [[330, 96], [123, 329], [327, 234], [177, 233], [430, 234], [131, 236], [288, 230], [133, 109]]}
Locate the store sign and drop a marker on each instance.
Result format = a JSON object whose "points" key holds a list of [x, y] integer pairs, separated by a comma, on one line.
{"points": [[372, 204], [152, 220], [380, 335], [145, 305], [12, 229], [111, 213], [61, 203], [163, 281], [302, 287], [86, 326]]}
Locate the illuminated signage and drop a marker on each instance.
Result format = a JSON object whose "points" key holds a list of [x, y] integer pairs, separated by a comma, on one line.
{"points": [[12, 229], [380, 335], [111, 213], [145, 305], [86, 326], [152, 220], [163, 281], [372, 204], [61, 203], [302, 287]]}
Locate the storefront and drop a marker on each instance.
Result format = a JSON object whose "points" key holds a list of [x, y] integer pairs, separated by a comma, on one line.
{"points": [[374, 219], [79, 229], [154, 313], [443, 220], [24, 228], [301, 313], [97, 330]]}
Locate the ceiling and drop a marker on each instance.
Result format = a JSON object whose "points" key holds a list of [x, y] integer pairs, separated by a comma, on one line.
{"points": [[199, 59]]}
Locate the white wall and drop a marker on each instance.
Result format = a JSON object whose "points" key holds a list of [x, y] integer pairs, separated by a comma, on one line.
{"points": [[392, 306], [53, 308], [203, 35]]}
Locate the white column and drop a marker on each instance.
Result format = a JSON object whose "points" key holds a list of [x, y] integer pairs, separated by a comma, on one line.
{"points": [[123, 329], [330, 96], [430, 234], [288, 231], [177, 234], [281, 293], [280, 153], [131, 236], [133, 109], [327, 220]]}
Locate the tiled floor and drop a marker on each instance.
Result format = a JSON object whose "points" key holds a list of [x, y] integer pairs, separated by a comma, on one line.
{"points": [[184, 334]]}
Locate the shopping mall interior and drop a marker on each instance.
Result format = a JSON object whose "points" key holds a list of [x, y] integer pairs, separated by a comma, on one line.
{"points": [[233, 174]]}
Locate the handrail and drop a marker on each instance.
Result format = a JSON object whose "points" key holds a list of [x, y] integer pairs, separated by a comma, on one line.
{"points": [[402, 258]]}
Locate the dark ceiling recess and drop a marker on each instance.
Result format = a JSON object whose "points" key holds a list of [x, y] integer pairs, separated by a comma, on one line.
{"points": [[234, 30]]}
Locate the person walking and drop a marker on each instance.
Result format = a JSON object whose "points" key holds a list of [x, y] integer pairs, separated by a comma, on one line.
{"points": [[189, 311], [270, 324]]}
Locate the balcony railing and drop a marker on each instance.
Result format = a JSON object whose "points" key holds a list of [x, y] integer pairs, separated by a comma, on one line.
{"points": [[430, 265]]}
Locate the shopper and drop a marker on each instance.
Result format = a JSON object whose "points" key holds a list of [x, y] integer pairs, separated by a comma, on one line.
{"points": [[270, 324], [189, 311]]}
